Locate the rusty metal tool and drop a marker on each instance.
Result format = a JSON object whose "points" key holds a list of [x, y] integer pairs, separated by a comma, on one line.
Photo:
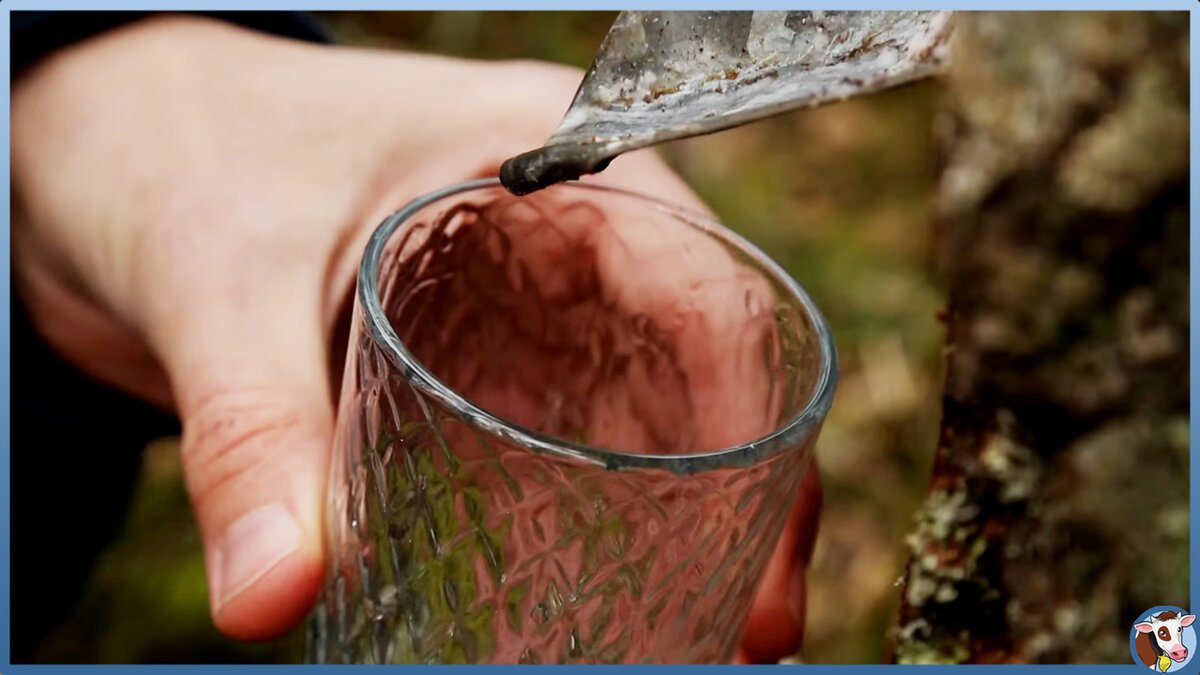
{"points": [[661, 76]]}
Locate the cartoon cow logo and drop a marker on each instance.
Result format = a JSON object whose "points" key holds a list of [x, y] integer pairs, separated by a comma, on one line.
{"points": [[1163, 639]]}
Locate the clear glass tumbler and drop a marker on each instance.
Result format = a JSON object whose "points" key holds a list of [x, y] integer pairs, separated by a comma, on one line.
{"points": [[571, 428]]}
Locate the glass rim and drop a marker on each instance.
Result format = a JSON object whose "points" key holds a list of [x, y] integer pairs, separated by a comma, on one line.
{"points": [[783, 437]]}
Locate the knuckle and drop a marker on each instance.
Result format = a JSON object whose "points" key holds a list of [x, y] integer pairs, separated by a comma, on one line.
{"points": [[228, 434], [545, 73], [535, 92]]}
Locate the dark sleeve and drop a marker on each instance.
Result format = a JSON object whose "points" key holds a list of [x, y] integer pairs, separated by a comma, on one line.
{"points": [[35, 34], [76, 444]]}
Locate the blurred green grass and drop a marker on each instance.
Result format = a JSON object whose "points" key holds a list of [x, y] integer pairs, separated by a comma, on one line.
{"points": [[838, 195]]}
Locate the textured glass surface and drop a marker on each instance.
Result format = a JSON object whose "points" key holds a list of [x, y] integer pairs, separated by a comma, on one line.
{"points": [[548, 451]]}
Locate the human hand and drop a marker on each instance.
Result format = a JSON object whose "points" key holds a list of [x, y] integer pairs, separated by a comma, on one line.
{"points": [[190, 203]]}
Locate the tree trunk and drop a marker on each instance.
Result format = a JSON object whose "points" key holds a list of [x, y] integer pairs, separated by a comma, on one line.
{"points": [[1058, 507]]}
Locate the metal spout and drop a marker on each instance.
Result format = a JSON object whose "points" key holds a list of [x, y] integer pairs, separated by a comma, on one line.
{"points": [[662, 76]]}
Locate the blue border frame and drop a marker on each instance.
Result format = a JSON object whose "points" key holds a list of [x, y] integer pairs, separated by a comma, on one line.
{"points": [[5, 278], [5, 373]]}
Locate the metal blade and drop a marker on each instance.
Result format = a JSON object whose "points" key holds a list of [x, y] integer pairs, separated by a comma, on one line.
{"points": [[661, 76]]}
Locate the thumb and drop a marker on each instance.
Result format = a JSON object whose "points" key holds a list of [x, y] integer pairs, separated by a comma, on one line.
{"points": [[257, 422]]}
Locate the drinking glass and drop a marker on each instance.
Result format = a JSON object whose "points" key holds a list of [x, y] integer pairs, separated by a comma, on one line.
{"points": [[571, 427]]}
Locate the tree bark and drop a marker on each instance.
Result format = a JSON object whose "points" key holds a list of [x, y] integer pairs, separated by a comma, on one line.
{"points": [[1058, 506]]}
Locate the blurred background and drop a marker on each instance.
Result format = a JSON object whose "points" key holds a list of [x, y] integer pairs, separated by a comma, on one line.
{"points": [[838, 195]]}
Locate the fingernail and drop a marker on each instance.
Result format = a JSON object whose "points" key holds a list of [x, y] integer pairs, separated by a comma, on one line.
{"points": [[251, 547]]}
